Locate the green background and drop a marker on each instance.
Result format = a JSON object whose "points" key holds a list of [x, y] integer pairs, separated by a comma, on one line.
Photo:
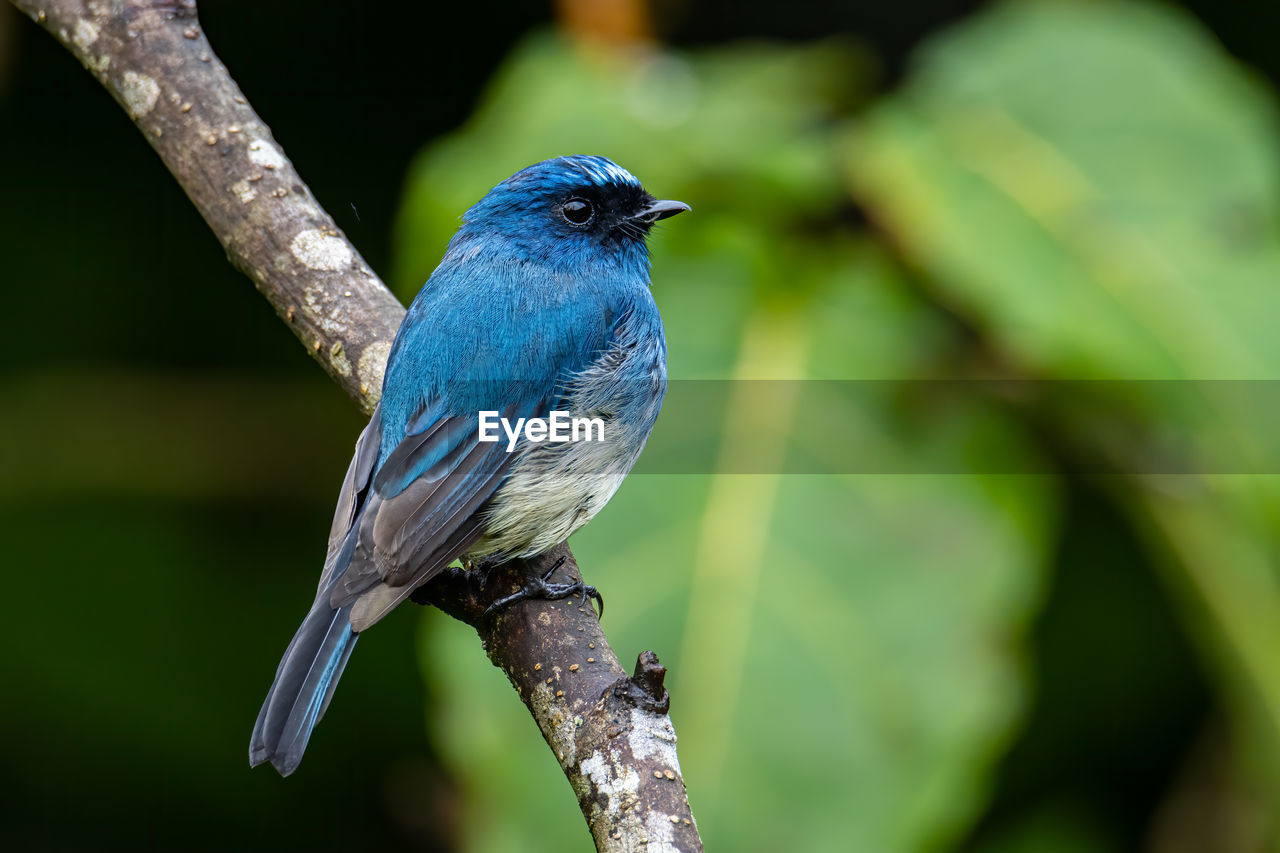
{"points": [[982, 645]]}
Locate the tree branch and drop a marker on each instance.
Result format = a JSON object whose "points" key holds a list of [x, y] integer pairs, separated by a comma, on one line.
{"points": [[610, 732]]}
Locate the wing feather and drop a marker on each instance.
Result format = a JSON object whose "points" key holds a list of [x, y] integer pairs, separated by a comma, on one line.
{"points": [[406, 537], [351, 497]]}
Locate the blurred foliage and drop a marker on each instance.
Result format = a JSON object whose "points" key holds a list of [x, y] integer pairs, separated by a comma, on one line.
{"points": [[823, 655], [1080, 199], [1089, 189], [1075, 177], [1096, 188]]}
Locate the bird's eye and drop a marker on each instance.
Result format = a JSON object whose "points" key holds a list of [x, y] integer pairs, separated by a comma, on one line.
{"points": [[577, 211]]}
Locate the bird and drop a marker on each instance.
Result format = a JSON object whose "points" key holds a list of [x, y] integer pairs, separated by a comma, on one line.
{"points": [[541, 304]]}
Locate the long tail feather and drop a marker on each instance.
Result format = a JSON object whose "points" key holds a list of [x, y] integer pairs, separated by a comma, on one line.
{"points": [[304, 684]]}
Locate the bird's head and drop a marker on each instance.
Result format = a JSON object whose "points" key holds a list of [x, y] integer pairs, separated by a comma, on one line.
{"points": [[561, 208]]}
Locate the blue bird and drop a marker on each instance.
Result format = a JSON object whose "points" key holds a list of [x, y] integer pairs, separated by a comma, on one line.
{"points": [[540, 305]]}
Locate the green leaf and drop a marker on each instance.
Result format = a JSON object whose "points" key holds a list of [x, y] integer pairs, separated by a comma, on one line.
{"points": [[1095, 186], [844, 650], [1097, 183]]}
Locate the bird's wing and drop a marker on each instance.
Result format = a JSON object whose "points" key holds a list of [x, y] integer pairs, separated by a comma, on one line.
{"points": [[421, 509], [351, 497], [507, 353]]}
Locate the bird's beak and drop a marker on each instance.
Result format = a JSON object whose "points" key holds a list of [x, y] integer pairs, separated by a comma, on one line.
{"points": [[660, 210]]}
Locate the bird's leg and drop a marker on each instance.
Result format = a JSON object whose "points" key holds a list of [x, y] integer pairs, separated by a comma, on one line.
{"points": [[452, 575], [538, 587]]}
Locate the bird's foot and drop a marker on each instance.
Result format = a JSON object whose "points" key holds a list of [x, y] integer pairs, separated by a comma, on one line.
{"points": [[539, 587], [452, 577]]}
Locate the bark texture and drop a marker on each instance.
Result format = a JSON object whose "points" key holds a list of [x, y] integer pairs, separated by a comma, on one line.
{"points": [[609, 731]]}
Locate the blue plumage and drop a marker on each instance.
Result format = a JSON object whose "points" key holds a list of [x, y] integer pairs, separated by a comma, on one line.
{"points": [[541, 304]]}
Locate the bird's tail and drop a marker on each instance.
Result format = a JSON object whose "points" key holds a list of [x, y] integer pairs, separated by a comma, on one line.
{"points": [[304, 683]]}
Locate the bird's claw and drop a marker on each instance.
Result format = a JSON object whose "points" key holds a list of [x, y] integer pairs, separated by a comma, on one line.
{"points": [[538, 587]]}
